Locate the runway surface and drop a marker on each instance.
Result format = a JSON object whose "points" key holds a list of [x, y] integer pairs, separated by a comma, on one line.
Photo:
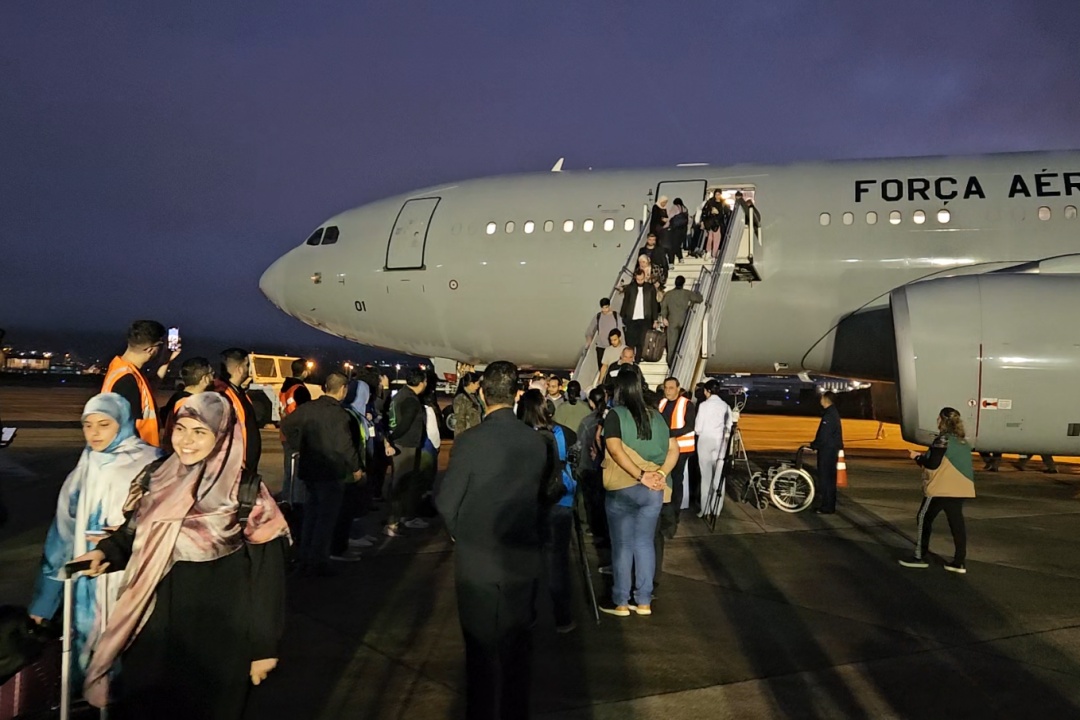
{"points": [[771, 615]]}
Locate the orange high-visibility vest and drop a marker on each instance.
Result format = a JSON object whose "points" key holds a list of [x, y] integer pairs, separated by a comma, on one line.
{"points": [[147, 425], [287, 398], [678, 419]]}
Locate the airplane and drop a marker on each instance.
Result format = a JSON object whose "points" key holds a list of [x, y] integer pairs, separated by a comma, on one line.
{"points": [[953, 277]]}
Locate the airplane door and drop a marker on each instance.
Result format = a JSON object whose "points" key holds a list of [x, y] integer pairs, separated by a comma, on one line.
{"points": [[408, 239], [691, 192]]}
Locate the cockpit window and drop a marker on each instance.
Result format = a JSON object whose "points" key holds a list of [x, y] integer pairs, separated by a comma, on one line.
{"points": [[331, 235], [315, 237]]}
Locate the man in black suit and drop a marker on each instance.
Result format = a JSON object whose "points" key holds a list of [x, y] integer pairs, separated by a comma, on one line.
{"points": [[639, 311], [490, 501], [828, 443]]}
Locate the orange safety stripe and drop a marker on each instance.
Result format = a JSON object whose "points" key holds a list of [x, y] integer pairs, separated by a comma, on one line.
{"points": [[241, 416], [147, 425], [678, 419]]}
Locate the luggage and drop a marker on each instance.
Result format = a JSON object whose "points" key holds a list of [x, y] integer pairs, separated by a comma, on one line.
{"points": [[43, 689], [653, 347]]}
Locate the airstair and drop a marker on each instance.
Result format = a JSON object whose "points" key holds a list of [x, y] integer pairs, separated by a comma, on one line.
{"points": [[712, 280]]}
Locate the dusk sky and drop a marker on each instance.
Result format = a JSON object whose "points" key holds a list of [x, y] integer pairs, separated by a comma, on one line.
{"points": [[155, 158]]}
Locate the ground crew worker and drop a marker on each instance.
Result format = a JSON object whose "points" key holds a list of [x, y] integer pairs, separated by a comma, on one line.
{"points": [[681, 416], [673, 311], [235, 377], [125, 376], [828, 443], [294, 393], [198, 376]]}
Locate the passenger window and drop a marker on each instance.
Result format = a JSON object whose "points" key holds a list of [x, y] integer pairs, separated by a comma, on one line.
{"points": [[568, 226], [824, 219], [549, 225], [848, 218], [331, 235], [944, 216], [529, 227], [1044, 213], [609, 224], [871, 218], [491, 228], [628, 226], [315, 237], [587, 226], [918, 217], [1070, 212], [509, 227], [895, 217]]}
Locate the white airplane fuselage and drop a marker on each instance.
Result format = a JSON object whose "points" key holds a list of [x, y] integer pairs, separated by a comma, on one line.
{"points": [[468, 295]]}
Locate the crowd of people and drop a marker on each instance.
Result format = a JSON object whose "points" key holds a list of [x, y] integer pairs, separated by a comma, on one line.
{"points": [[181, 609]]}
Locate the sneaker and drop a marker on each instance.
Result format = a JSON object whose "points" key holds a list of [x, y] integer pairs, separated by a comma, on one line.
{"points": [[393, 530], [914, 562], [616, 610], [567, 628], [605, 570], [956, 568], [362, 542], [417, 524], [348, 556], [643, 609]]}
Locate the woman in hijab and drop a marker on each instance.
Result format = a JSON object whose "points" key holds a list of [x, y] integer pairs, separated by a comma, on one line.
{"points": [[202, 607], [91, 503]]}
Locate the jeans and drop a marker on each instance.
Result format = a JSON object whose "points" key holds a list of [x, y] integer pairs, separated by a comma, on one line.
{"points": [[557, 528], [320, 516], [632, 516]]}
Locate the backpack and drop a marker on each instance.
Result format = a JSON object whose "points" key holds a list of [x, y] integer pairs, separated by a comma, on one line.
{"points": [[565, 465], [598, 320]]}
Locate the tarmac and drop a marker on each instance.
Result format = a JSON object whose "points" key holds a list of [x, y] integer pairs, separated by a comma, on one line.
{"points": [[769, 615]]}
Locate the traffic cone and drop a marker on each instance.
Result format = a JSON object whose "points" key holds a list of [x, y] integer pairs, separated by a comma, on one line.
{"points": [[841, 471]]}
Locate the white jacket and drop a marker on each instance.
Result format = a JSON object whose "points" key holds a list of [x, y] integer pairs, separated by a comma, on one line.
{"points": [[713, 421]]}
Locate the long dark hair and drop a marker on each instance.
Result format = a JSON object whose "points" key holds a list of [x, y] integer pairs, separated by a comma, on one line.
{"points": [[467, 379], [598, 398], [628, 394], [530, 409]]}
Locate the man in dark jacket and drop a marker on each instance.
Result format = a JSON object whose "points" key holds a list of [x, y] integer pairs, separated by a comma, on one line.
{"points": [[490, 501], [407, 430], [639, 311], [319, 430], [294, 393], [828, 443]]}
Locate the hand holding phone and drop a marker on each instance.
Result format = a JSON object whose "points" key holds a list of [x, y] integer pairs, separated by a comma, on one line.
{"points": [[173, 341]]}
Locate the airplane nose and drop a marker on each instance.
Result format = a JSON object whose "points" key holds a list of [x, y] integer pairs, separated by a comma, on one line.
{"points": [[272, 283]]}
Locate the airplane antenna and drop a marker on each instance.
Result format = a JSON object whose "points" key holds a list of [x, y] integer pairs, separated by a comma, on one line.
{"points": [[557, 167]]}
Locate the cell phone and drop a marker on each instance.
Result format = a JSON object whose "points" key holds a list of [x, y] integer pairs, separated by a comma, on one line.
{"points": [[72, 568], [7, 435], [174, 339]]}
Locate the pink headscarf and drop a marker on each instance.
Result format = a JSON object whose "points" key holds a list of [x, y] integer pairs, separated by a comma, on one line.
{"points": [[187, 515]]}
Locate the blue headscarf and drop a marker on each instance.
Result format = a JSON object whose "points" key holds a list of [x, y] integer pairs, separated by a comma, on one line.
{"points": [[116, 407]]}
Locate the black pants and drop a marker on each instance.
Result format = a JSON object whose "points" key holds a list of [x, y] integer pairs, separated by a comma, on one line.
{"points": [[557, 529], [353, 502], [320, 516], [495, 620], [954, 511], [668, 523], [402, 488], [635, 335], [826, 480]]}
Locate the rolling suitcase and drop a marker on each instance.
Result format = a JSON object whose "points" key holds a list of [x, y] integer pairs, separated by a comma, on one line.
{"points": [[43, 689], [653, 347]]}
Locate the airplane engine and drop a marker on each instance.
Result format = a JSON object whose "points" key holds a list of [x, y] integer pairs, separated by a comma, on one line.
{"points": [[1002, 348]]}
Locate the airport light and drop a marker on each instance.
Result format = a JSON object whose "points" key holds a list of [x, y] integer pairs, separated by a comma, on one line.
{"points": [[310, 364]]}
